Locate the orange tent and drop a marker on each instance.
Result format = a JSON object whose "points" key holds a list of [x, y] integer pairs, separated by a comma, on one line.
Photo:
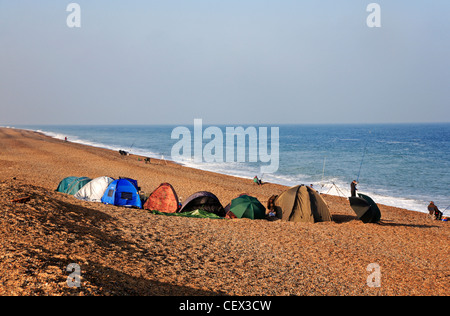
{"points": [[163, 199]]}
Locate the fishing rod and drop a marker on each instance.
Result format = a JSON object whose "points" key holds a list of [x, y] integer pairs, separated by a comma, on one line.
{"points": [[131, 146], [360, 166], [362, 159], [445, 209], [323, 170]]}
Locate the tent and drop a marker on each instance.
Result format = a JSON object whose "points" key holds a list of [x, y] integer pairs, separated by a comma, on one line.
{"points": [[365, 208], [163, 199], [246, 206], [228, 213], [64, 184], [122, 192], [94, 190], [301, 204], [71, 185], [205, 201], [133, 182]]}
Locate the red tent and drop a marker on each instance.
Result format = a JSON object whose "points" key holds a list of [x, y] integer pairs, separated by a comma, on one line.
{"points": [[163, 199]]}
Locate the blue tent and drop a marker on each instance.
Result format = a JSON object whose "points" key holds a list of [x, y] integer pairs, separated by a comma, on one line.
{"points": [[122, 192]]}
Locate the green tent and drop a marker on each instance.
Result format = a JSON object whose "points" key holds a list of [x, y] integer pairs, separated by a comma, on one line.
{"points": [[246, 206], [64, 184], [71, 185]]}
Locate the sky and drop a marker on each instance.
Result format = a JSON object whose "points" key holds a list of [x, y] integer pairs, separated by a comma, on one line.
{"points": [[226, 62]]}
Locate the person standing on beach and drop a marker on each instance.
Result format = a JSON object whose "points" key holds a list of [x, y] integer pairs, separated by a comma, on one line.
{"points": [[434, 211], [353, 188]]}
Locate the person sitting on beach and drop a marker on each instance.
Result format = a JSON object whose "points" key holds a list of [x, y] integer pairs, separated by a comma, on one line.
{"points": [[434, 211], [257, 181], [271, 206], [353, 188]]}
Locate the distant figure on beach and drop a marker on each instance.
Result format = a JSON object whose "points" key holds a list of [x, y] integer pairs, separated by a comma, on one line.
{"points": [[65, 139], [353, 188], [434, 211], [257, 181], [312, 187]]}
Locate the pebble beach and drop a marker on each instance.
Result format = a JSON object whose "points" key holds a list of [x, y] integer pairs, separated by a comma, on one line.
{"points": [[124, 251]]}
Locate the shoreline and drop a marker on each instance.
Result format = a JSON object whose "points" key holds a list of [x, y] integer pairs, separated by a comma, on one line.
{"points": [[329, 189], [132, 252], [137, 160]]}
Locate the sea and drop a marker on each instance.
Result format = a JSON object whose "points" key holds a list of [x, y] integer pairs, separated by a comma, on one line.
{"points": [[401, 165]]}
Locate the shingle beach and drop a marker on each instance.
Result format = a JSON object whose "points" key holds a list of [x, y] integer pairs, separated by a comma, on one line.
{"points": [[124, 251]]}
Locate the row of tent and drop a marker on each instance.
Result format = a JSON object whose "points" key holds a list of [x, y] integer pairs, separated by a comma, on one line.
{"points": [[297, 204], [120, 192], [125, 192]]}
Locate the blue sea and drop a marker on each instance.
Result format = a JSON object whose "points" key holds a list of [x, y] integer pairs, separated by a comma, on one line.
{"points": [[402, 165]]}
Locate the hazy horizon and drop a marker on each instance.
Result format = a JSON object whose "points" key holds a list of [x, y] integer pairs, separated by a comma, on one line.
{"points": [[237, 63], [205, 123]]}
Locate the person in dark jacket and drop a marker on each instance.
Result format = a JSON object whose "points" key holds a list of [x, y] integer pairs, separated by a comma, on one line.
{"points": [[353, 188], [434, 211]]}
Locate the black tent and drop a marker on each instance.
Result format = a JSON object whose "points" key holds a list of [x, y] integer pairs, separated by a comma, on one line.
{"points": [[365, 208], [203, 200]]}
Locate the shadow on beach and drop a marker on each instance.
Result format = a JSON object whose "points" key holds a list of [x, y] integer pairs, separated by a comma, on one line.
{"points": [[47, 234], [387, 223]]}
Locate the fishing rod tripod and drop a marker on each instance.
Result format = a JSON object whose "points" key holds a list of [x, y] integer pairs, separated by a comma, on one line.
{"points": [[338, 190]]}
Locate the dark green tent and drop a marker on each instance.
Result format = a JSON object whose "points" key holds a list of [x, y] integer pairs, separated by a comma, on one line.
{"points": [[365, 208], [71, 185], [246, 206]]}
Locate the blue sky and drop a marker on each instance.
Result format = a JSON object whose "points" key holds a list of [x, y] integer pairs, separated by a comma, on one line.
{"points": [[227, 62]]}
